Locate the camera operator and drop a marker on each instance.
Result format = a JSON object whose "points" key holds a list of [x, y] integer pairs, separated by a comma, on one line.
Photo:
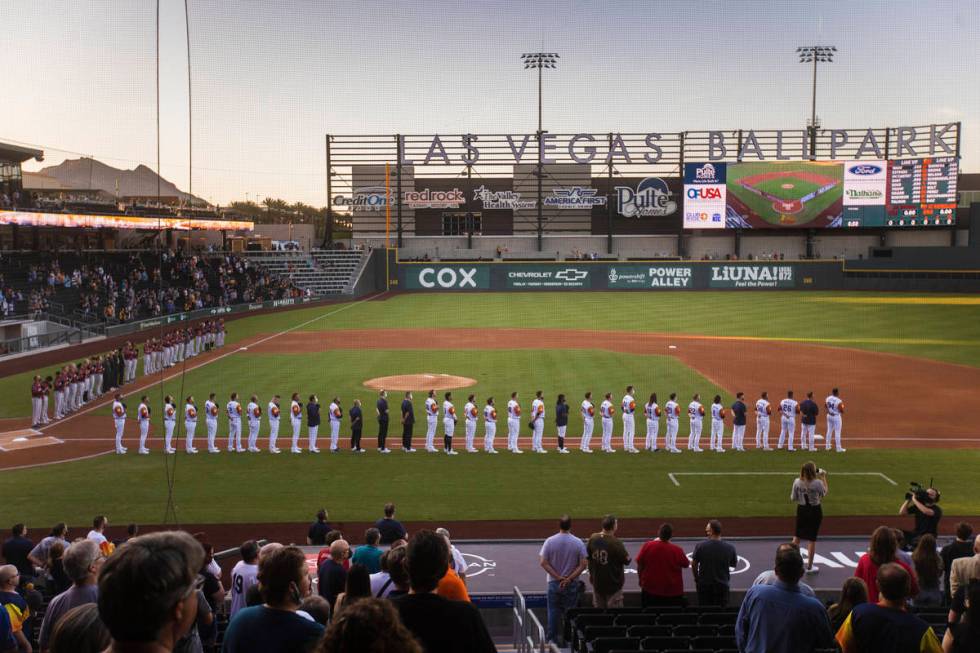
{"points": [[922, 503]]}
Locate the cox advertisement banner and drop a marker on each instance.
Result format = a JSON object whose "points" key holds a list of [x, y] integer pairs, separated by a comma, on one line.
{"points": [[705, 195], [653, 275], [447, 276], [550, 276]]}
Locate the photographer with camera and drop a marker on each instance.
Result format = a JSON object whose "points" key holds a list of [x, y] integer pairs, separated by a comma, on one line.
{"points": [[923, 504], [808, 493]]}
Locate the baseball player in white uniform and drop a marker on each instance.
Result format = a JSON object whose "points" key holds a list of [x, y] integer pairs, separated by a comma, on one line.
{"points": [[234, 410], [835, 409], [274, 416], [296, 420], [513, 423], [254, 423], [148, 357], [119, 419], [652, 413], [489, 425], [629, 421], [788, 409], [762, 412], [336, 414], [431, 421], [190, 424], [588, 423], [143, 417], [606, 411], [717, 425], [448, 423], [537, 423], [169, 422], [673, 423], [211, 422], [471, 413], [695, 411]]}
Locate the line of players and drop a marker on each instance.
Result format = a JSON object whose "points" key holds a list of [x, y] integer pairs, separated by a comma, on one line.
{"points": [[788, 410]]}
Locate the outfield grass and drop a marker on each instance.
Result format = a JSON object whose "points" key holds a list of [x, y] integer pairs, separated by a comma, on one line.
{"points": [[261, 487]]}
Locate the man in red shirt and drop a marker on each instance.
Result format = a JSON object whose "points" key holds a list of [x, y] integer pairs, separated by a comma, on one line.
{"points": [[660, 566]]}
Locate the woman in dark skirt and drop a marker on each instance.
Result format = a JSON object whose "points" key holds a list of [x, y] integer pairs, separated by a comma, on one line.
{"points": [[808, 493]]}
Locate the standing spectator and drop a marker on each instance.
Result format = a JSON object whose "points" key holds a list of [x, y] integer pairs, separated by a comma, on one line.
{"points": [[885, 626], [244, 575], [965, 570], [458, 563], [808, 493], [17, 549], [779, 618], [15, 605], [961, 547], [332, 575], [368, 625], [440, 625], [713, 561], [201, 628], [82, 563], [317, 607], [390, 528], [659, 565], [408, 422], [7, 642], [80, 631], [97, 534], [964, 637], [881, 551], [131, 531], [928, 571], [357, 586], [382, 409], [564, 557], [369, 555], [146, 591], [608, 560], [274, 626], [39, 554], [853, 592], [319, 529]]}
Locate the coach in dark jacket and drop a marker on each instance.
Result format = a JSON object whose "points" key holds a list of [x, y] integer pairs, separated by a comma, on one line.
{"points": [[408, 421], [809, 412], [313, 412], [356, 425], [382, 408]]}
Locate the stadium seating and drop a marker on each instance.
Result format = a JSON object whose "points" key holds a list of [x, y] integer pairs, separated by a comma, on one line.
{"points": [[322, 272]]}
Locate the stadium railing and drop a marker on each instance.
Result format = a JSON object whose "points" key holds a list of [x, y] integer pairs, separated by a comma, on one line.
{"points": [[529, 635]]}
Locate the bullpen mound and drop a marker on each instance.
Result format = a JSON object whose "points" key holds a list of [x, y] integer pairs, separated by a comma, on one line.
{"points": [[420, 382]]}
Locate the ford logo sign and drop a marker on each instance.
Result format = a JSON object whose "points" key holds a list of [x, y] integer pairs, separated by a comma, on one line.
{"points": [[864, 169]]}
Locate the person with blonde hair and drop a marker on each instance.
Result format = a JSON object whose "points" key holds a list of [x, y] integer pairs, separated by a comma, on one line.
{"points": [[808, 493]]}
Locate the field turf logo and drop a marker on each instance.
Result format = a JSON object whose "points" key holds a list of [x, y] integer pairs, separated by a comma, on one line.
{"points": [[752, 276]]}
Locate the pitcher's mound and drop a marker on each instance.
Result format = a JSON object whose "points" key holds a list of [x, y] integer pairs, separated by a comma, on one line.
{"points": [[420, 382]]}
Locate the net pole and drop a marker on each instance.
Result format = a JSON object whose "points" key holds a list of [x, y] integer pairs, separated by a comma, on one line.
{"points": [[387, 205]]}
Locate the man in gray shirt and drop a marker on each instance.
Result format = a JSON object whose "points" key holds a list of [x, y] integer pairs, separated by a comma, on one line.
{"points": [[711, 564], [564, 557], [82, 563]]}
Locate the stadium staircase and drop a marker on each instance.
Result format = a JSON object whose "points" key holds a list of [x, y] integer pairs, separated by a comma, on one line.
{"points": [[322, 272]]}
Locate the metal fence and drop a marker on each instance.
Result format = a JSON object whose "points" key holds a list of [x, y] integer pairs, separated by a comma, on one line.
{"points": [[529, 634]]}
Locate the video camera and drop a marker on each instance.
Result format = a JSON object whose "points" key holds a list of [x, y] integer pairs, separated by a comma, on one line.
{"points": [[920, 493]]}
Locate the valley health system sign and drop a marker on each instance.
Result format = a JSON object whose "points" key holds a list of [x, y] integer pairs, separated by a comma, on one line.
{"points": [[705, 195]]}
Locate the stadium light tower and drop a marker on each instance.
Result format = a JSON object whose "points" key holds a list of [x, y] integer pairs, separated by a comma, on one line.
{"points": [[539, 60], [815, 54]]}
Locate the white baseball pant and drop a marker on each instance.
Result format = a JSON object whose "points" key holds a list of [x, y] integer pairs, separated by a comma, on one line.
{"points": [[120, 425], [717, 435], [273, 433], [470, 433], [607, 431], [694, 437], [671, 439], [833, 431], [489, 435], [653, 428], [253, 433], [787, 429], [189, 427], [762, 432], [588, 424], [537, 438], [212, 425], [629, 431], [144, 432], [431, 424], [168, 434], [513, 432]]}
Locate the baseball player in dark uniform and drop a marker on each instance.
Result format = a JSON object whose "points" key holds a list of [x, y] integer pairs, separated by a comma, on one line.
{"points": [[382, 408], [808, 413], [356, 426], [738, 431], [408, 421]]}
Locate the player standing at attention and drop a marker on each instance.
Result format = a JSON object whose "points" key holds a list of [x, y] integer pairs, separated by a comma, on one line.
{"points": [[59, 395], [234, 410], [788, 408], [169, 422], [119, 419], [37, 395], [381, 408], [431, 421], [673, 423], [652, 412], [148, 357], [762, 413], [190, 424], [336, 414], [738, 422], [356, 426], [448, 424], [629, 422], [408, 422], [254, 423], [717, 425], [143, 417], [296, 420], [808, 426], [489, 425], [835, 408], [606, 411], [313, 422], [588, 423], [695, 411], [513, 423], [211, 422], [471, 414], [274, 415], [561, 422], [537, 423]]}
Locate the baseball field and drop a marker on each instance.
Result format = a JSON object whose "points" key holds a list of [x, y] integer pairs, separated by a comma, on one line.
{"points": [[908, 369]]}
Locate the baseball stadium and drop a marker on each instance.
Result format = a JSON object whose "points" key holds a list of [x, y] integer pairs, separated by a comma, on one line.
{"points": [[550, 390]]}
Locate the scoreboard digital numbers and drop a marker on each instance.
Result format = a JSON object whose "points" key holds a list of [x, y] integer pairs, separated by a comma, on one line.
{"points": [[922, 192]]}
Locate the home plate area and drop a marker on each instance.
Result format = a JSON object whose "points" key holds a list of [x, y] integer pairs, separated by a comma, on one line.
{"points": [[25, 439]]}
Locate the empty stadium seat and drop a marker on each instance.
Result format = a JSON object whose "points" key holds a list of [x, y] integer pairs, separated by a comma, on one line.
{"points": [[650, 631], [665, 643], [609, 644], [718, 618], [679, 619], [713, 643], [640, 619], [687, 630]]}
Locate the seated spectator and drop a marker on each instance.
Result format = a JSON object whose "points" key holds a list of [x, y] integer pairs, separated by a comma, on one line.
{"points": [[964, 636], [80, 631], [82, 563], [319, 529], [965, 570], [961, 547], [356, 587], [253, 596], [769, 577], [398, 573], [7, 642], [17, 549], [881, 551], [390, 528], [202, 628], [324, 553], [369, 555], [660, 566], [274, 626], [370, 625], [929, 571], [853, 592], [147, 596], [317, 608], [440, 625], [331, 574], [779, 618], [56, 568], [885, 626], [15, 605], [381, 583]]}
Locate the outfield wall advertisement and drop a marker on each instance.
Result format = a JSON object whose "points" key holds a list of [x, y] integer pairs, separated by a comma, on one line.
{"points": [[651, 275]]}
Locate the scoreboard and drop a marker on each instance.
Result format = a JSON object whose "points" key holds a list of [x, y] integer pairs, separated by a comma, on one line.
{"points": [[921, 192]]}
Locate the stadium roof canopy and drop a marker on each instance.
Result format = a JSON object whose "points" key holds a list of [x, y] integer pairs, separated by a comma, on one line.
{"points": [[18, 153]]}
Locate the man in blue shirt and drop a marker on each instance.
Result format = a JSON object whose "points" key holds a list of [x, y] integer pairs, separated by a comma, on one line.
{"points": [[778, 618], [382, 408], [408, 421], [738, 432], [809, 412]]}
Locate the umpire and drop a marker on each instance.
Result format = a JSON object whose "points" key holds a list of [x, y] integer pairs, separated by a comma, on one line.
{"points": [[382, 408], [408, 421]]}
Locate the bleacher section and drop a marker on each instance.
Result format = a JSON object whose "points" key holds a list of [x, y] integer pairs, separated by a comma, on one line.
{"points": [[322, 272]]}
